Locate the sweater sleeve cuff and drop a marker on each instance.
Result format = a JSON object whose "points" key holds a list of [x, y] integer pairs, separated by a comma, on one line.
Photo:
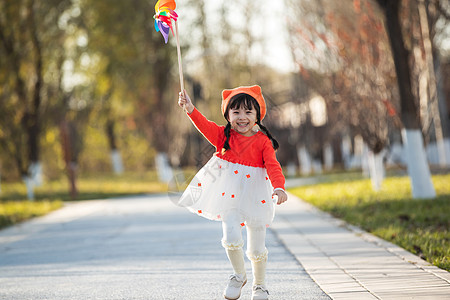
{"points": [[279, 189], [193, 112]]}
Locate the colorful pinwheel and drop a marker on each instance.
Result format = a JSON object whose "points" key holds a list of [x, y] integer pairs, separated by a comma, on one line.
{"points": [[164, 14]]}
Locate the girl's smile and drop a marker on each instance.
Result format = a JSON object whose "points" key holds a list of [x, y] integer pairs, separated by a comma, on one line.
{"points": [[242, 120]]}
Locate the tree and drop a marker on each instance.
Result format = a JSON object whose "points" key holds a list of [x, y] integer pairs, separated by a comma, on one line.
{"points": [[360, 54], [426, 74], [344, 56], [418, 169], [132, 75], [27, 44]]}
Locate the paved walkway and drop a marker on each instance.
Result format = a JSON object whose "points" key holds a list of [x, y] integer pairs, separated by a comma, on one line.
{"points": [[348, 263], [147, 248], [132, 248]]}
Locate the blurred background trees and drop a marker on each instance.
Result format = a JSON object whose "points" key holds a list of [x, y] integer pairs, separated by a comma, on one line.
{"points": [[30, 76], [89, 86], [365, 52]]}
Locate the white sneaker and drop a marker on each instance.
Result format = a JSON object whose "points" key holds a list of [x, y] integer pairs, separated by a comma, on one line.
{"points": [[260, 293], [234, 287]]}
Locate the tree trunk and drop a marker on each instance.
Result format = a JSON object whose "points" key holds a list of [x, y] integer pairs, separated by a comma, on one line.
{"points": [[305, 161], [401, 55], [432, 83], [30, 120], [416, 160], [346, 150], [418, 168], [328, 156], [71, 165], [365, 161], [165, 172], [376, 169], [443, 109], [116, 157]]}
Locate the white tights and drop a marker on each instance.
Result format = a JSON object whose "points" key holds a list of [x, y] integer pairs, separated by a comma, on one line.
{"points": [[256, 247]]}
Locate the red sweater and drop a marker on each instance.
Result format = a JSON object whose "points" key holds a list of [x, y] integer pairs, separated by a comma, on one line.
{"points": [[254, 151]]}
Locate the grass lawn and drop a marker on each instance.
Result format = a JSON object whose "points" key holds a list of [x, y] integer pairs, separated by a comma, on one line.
{"points": [[15, 208], [419, 226]]}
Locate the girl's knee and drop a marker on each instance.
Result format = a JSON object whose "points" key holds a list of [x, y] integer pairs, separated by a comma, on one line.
{"points": [[232, 245], [232, 236], [256, 236], [257, 256]]}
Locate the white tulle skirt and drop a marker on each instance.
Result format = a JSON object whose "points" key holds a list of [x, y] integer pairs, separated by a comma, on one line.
{"points": [[222, 188]]}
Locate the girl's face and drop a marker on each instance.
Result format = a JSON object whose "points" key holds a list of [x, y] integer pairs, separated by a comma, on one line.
{"points": [[242, 119]]}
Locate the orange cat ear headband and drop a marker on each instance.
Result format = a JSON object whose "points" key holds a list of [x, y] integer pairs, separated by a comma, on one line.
{"points": [[254, 91]]}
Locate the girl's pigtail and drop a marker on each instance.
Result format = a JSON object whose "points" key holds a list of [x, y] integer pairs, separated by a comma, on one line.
{"points": [[266, 131], [227, 130]]}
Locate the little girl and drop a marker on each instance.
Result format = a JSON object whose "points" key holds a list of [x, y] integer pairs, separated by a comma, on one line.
{"points": [[236, 184]]}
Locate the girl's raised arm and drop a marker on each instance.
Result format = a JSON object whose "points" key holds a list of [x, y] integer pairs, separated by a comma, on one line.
{"points": [[210, 130]]}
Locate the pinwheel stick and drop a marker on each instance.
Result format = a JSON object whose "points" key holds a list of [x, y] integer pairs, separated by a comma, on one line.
{"points": [[180, 66]]}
